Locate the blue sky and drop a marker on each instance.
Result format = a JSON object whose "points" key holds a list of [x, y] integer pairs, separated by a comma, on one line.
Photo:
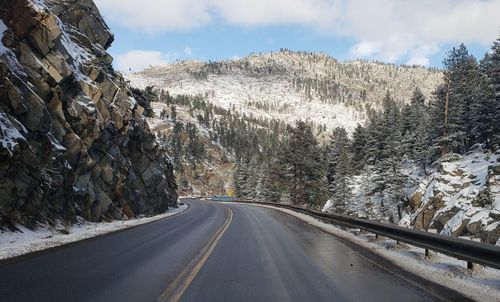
{"points": [[150, 32]]}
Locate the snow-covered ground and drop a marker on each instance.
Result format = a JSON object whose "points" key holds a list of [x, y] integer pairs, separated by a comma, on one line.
{"points": [[236, 91], [27, 241], [481, 284]]}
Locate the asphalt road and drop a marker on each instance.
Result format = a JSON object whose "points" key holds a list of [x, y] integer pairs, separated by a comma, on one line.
{"points": [[212, 252]]}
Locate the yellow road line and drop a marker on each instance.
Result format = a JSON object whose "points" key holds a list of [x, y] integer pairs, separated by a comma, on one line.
{"points": [[175, 290]]}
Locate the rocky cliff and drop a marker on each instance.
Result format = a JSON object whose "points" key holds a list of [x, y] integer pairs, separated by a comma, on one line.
{"points": [[461, 198], [73, 138]]}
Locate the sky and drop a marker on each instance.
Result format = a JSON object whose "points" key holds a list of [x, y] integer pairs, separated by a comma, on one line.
{"points": [[152, 32]]}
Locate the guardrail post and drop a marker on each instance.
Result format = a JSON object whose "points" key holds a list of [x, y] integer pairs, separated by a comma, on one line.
{"points": [[470, 265]]}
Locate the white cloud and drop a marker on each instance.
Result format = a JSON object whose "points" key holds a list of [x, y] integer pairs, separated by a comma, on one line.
{"points": [[156, 15], [384, 29], [137, 60], [365, 48]]}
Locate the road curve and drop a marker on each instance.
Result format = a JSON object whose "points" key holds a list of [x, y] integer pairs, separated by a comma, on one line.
{"points": [[256, 254]]}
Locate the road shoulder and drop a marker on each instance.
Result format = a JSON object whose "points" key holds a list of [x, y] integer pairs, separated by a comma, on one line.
{"points": [[481, 284], [15, 246]]}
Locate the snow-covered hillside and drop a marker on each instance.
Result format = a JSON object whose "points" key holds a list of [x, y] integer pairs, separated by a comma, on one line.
{"points": [[292, 85], [459, 198]]}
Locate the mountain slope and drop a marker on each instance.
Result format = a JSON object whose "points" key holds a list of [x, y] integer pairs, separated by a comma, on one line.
{"points": [[292, 85], [74, 141]]}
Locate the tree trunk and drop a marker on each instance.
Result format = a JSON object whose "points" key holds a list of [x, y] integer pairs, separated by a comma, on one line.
{"points": [[445, 149]]}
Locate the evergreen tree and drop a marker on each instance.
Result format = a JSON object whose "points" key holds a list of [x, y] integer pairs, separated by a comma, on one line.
{"points": [[457, 96], [339, 168], [415, 127], [304, 167], [195, 150], [271, 183], [487, 115], [176, 145], [385, 155], [240, 177], [358, 148], [173, 113]]}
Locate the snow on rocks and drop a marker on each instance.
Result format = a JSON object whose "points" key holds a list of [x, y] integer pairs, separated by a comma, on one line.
{"points": [[26, 241], [3, 29], [9, 134], [328, 206], [462, 197]]}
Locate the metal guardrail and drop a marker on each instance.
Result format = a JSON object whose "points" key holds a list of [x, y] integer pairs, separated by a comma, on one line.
{"points": [[467, 250]]}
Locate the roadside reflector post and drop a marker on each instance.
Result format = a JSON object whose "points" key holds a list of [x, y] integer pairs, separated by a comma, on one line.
{"points": [[427, 253], [470, 265]]}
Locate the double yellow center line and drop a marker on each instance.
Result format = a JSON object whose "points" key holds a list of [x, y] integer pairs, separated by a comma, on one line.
{"points": [[175, 290]]}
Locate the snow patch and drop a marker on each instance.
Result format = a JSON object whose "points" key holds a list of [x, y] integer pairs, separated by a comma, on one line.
{"points": [[328, 205], [9, 134], [133, 103], [453, 224], [3, 29]]}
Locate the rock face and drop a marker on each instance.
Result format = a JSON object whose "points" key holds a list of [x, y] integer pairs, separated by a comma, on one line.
{"points": [[73, 138], [461, 198]]}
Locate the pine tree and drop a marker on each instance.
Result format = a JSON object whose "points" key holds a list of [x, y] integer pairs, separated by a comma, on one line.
{"points": [[415, 127], [339, 168], [385, 152], [176, 145], [304, 167], [271, 184], [241, 180], [487, 116], [173, 113], [358, 148], [459, 93], [195, 150]]}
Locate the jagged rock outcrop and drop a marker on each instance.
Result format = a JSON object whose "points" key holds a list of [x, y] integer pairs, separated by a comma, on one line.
{"points": [[461, 198], [73, 139]]}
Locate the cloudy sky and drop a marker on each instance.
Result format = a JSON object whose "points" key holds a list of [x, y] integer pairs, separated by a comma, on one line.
{"points": [[420, 32]]}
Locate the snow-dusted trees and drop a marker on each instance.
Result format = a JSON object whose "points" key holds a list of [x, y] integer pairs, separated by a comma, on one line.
{"points": [[358, 148], [463, 110], [415, 123], [271, 183], [386, 157], [487, 113], [195, 149], [175, 145], [339, 168], [304, 167], [243, 180]]}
